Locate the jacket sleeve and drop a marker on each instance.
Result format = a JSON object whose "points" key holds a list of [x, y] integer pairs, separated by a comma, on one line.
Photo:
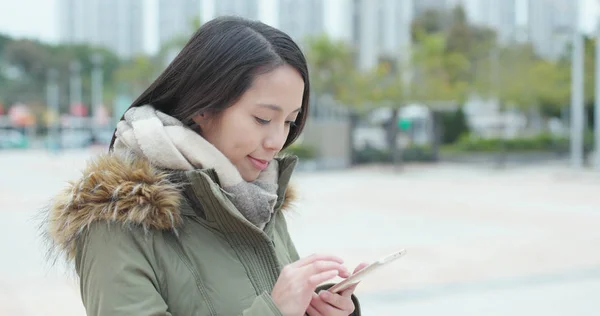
{"points": [[116, 275], [263, 305], [287, 240]]}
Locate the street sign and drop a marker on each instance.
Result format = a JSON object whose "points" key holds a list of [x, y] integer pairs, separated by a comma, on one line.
{"points": [[404, 124]]}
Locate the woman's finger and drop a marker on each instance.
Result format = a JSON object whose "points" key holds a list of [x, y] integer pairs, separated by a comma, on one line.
{"points": [[349, 291], [311, 311], [316, 257], [360, 267], [337, 301], [319, 278], [323, 307], [344, 273], [322, 266]]}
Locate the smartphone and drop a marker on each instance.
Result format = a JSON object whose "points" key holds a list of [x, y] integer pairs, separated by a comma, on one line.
{"points": [[368, 270]]}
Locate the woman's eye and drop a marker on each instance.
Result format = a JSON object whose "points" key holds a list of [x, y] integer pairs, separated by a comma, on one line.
{"points": [[261, 121]]}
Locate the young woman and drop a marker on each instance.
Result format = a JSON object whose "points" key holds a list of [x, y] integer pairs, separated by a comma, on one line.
{"points": [[184, 215]]}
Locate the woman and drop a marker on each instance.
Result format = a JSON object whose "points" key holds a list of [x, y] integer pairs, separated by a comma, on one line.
{"points": [[184, 215]]}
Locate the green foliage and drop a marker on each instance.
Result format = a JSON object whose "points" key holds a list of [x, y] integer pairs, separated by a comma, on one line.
{"points": [[138, 73], [24, 65], [454, 125], [29, 62], [544, 142], [413, 153], [437, 71], [333, 72], [302, 151]]}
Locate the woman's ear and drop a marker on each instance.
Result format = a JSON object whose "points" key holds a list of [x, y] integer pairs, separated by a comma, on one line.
{"points": [[201, 120]]}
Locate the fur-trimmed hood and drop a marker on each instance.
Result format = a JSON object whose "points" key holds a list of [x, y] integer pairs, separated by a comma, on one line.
{"points": [[120, 189]]}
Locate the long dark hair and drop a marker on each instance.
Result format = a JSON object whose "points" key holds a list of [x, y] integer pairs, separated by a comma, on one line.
{"points": [[218, 64]]}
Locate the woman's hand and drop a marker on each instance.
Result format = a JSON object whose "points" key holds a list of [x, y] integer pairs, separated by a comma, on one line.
{"points": [[331, 304], [297, 282]]}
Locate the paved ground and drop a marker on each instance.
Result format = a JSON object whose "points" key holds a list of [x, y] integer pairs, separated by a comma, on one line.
{"points": [[480, 241]]}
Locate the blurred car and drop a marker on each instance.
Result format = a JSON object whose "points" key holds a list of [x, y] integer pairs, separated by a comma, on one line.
{"points": [[72, 138], [10, 138]]}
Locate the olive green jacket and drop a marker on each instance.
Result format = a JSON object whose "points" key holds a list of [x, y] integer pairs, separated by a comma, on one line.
{"points": [[152, 242]]}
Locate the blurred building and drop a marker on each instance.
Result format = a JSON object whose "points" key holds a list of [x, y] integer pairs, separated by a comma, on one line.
{"points": [[297, 18], [550, 25], [301, 18], [250, 9], [547, 24], [115, 24], [375, 28], [380, 28], [175, 18], [247, 8], [421, 6], [498, 15]]}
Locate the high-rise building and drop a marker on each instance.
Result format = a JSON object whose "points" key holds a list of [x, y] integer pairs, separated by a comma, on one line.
{"points": [[498, 15], [550, 25], [375, 28], [113, 24], [249, 9], [175, 18], [547, 24], [300, 19], [420, 6], [380, 28], [246, 8]]}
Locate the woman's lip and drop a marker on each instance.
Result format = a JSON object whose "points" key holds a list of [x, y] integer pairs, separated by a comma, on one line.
{"points": [[259, 160], [259, 163]]}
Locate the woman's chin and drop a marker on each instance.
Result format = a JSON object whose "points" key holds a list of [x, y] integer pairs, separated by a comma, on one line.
{"points": [[249, 176]]}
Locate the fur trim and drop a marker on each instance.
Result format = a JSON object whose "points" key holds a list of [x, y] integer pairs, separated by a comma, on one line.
{"points": [[291, 195], [113, 188], [119, 189]]}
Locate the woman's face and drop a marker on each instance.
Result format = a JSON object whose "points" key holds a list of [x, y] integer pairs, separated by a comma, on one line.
{"points": [[254, 129]]}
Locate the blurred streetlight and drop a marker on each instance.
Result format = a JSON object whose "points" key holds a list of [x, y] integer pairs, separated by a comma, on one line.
{"points": [[577, 98], [597, 101], [75, 85], [52, 100], [97, 84], [577, 113]]}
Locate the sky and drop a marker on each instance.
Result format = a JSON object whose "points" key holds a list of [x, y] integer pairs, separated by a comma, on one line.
{"points": [[17, 19]]}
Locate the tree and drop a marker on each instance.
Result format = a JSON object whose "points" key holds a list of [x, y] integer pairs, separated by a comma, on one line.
{"points": [[437, 71], [28, 61], [24, 65], [331, 66], [467, 45], [389, 90], [552, 86], [175, 44], [429, 22], [138, 73]]}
